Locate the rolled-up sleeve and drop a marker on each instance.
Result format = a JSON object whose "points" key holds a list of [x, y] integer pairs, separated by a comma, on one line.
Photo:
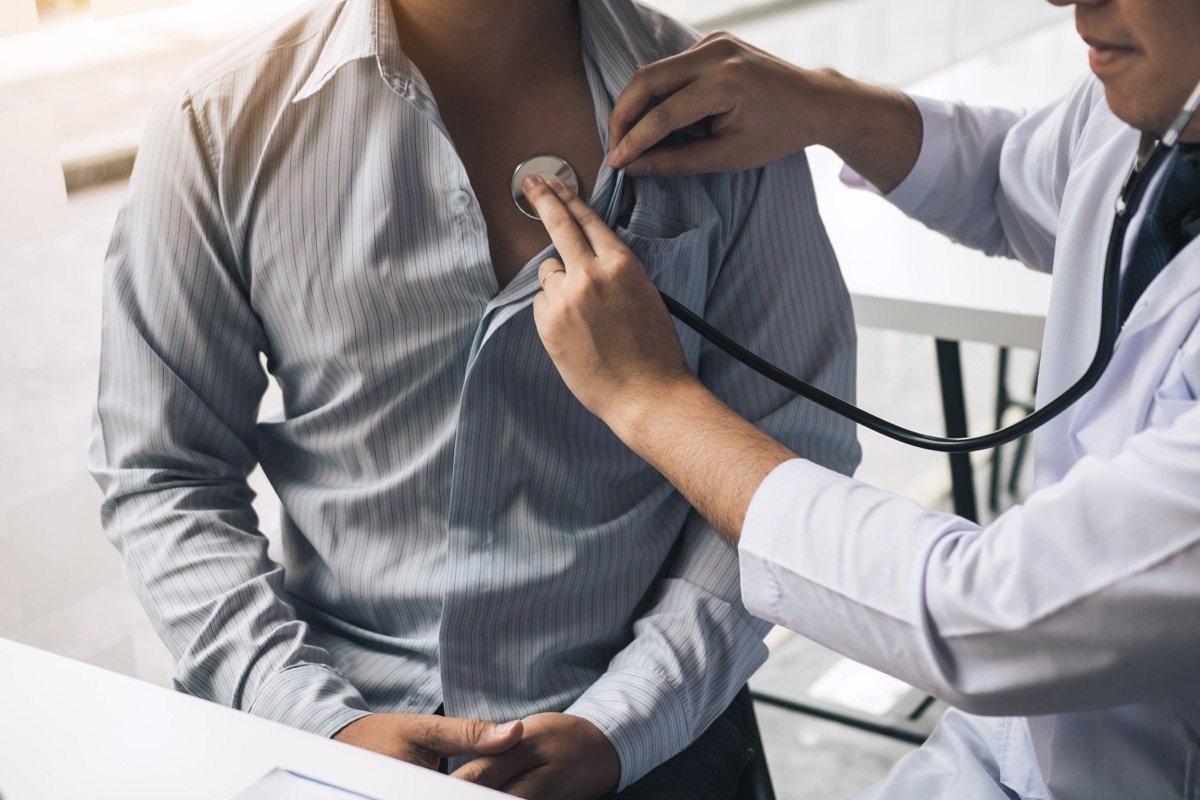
{"points": [[174, 441]]}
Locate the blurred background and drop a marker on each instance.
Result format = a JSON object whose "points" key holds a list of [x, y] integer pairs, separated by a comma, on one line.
{"points": [[77, 80]]}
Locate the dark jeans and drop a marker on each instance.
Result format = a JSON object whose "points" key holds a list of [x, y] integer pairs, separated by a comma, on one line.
{"points": [[708, 769]]}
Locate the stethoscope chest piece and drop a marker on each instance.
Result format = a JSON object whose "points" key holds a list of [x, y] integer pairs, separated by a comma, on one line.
{"points": [[546, 167]]}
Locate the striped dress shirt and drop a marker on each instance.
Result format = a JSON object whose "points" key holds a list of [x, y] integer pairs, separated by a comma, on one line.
{"points": [[457, 529]]}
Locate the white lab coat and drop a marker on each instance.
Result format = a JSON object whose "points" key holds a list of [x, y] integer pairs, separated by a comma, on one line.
{"points": [[1075, 618]]}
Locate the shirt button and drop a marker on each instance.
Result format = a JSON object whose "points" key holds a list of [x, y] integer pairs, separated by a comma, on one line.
{"points": [[461, 198]]}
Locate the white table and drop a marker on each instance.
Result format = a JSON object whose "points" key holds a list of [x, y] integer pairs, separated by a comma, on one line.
{"points": [[69, 730], [904, 277]]}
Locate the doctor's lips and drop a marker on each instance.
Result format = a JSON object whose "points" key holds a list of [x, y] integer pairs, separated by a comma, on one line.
{"points": [[1104, 56]]}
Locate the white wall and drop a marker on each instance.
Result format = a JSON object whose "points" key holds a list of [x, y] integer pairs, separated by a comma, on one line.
{"points": [[897, 41]]}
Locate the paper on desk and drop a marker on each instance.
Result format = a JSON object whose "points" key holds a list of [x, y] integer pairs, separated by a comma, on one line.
{"points": [[283, 784]]}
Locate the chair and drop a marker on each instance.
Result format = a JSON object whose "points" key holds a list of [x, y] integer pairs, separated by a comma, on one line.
{"points": [[1005, 401], [755, 783]]}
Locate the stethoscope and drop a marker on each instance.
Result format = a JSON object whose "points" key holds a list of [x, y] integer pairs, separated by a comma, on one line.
{"points": [[1131, 197]]}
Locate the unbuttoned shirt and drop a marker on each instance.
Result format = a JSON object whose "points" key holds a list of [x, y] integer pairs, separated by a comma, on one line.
{"points": [[458, 530]]}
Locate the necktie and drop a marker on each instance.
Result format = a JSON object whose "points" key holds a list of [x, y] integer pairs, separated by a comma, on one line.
{"points": [[1167, 228]]}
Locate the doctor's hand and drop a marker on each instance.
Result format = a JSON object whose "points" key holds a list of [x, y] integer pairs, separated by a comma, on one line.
{"points": [[610, 335], [425, 739], [560, 756], [760, 108], [751, 108], [601, 319]]}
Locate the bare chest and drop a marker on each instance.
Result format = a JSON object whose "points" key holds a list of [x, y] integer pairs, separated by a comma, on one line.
{"points": [[493, 137]]}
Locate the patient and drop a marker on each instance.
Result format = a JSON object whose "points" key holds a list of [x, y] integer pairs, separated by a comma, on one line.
{"points": [[328, 203]]}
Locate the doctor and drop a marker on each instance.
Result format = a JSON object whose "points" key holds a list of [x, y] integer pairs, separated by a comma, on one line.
{"points": [[1066, 633]]}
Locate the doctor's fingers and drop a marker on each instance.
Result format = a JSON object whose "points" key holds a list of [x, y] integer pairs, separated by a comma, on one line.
{"points": [[567, 219], [661, 79], [602, 239], [685, 94], [547, 270], [565, 233], [719, 70]]}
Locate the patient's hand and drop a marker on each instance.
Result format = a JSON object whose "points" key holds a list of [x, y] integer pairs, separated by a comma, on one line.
{"points": [[425, 739], [560, 756]]}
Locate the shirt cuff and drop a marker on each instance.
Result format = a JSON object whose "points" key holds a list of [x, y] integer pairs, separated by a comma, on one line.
{"points": [[642, 716], [770, 525], [311, 697], [926, 174]]}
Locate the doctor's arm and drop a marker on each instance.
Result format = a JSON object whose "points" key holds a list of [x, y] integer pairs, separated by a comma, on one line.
{"points": [[991, 179], [756, 109], [1084, 596]]}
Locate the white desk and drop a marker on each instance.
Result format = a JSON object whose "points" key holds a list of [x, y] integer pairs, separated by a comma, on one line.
{"points": [[69, 730], [904, 277]]}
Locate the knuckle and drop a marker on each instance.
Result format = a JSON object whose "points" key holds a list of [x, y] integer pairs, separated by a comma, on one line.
{"points": [[624, 262], [669, 167], [642, 74], [474, 729], [724, 44], [659, 117], [738, 66], [476, 772], [558, 220]]}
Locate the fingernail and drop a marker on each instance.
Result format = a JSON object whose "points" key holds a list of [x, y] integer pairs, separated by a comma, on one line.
{"points": [[613, 157], [528, 182], [559, 188], [639, 169], [506, 728]]}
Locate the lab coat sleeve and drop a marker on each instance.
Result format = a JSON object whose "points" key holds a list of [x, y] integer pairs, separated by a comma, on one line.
{"points": [[174, 441], [1085, 596], [695, 645], [994, 179]]}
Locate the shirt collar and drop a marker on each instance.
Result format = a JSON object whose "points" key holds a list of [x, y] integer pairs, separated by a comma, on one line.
{"points": [[616, 41], [364, 29]]}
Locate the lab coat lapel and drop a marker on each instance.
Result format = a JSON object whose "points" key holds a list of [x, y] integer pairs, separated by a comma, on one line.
{"points": [[1178, 280]]}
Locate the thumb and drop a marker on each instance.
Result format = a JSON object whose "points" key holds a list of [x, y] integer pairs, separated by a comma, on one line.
{"points": [[453, 736]]}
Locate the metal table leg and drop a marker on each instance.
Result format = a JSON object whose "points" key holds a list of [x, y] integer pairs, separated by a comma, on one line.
{"points": [[954, 408]]}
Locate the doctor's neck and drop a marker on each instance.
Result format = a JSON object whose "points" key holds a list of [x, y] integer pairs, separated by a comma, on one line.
{"points": [[485, 39]]}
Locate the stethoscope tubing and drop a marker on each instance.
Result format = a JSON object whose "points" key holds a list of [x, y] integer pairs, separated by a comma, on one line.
{"points": [[1130, 198]]}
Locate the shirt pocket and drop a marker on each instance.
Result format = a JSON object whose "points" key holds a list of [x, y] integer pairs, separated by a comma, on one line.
{"points": [[678, 265], [1177, 392]]}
